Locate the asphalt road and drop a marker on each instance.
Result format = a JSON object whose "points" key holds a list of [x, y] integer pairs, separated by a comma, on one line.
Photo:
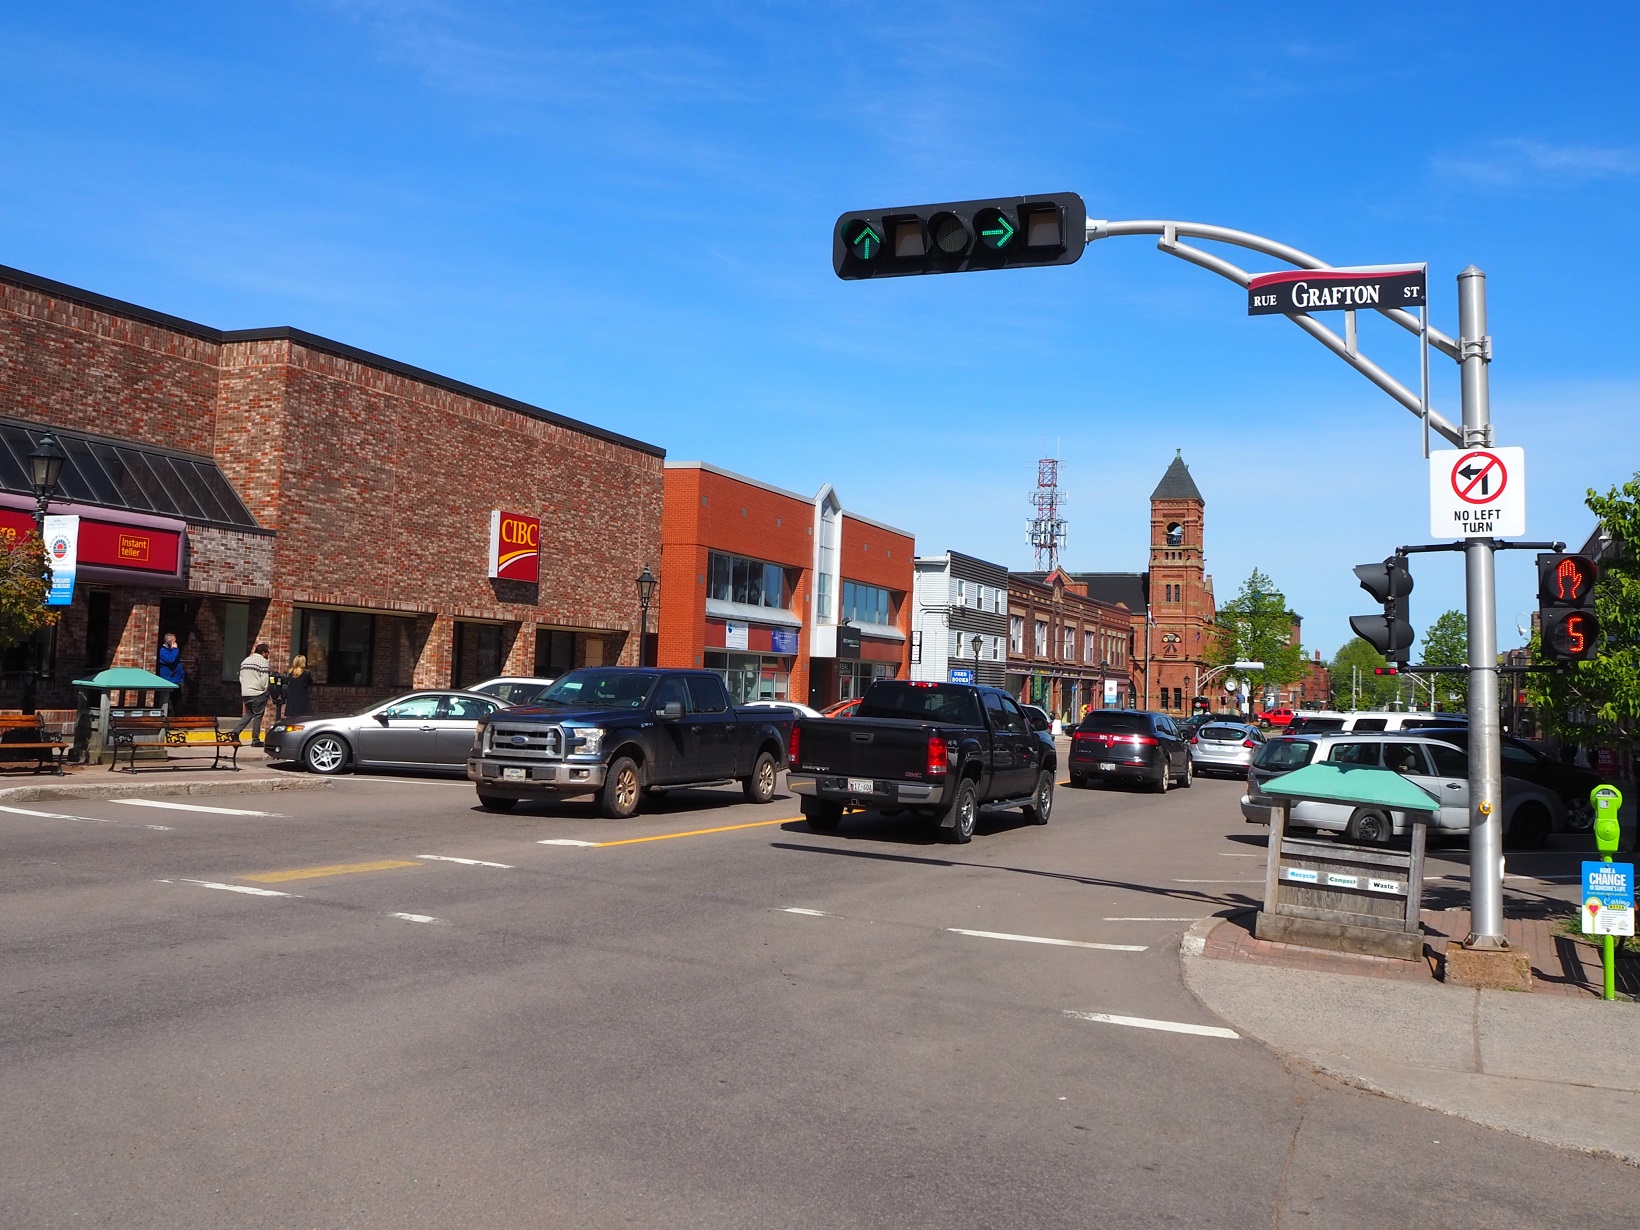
{"points": [[749, 1026]]}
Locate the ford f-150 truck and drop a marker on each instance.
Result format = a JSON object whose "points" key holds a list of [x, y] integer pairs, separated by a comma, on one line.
{"points": [[945, 751], [619, 731]]}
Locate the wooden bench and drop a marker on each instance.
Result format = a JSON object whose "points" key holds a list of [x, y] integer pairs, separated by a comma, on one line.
{"points": [[24, 732], [171, 735]]}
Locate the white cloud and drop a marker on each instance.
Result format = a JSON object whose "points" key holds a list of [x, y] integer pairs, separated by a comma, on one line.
{"points": [[1521, 163]]}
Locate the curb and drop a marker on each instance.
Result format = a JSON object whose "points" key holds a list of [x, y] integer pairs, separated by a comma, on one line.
{"points": [[129, 790], [1194, 941]]}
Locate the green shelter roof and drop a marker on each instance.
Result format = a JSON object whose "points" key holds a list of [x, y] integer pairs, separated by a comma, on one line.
{"points": [[1359, 784], [117, 677]]}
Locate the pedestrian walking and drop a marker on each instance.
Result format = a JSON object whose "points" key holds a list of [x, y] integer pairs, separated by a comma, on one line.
{"points": [[254, 677], [298, 689]]}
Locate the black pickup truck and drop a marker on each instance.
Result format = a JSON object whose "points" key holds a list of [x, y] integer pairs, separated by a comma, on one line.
{"points": [[619, 731], [940, 750]]}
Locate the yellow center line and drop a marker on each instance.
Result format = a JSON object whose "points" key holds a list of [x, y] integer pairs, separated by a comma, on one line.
{"points": [[335, 869], [727, 828]]}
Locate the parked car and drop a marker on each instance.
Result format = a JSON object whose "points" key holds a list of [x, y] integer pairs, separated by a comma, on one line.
{"points": [[943, 751], [1275, 717], [1129, 745], [843, 708], [513, 689], [421, 730], [1318, 721], [1038, 717], [785, 706], [1225, 748], [1530, 812], [1570, 783], [617, 731]]}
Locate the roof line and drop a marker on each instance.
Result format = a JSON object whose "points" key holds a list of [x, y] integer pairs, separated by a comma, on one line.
{"points": [[313, 341]]}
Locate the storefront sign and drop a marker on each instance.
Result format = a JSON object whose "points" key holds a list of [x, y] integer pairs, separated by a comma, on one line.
{"points": [[735, 635], [62, 556], [848, 641], [109, 544], [783, 640], [515, 547], [960, 674]]}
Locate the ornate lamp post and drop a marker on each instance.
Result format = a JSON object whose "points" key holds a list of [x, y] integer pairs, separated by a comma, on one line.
{"points": [[976, 642], [646, 593], [45, 468]]}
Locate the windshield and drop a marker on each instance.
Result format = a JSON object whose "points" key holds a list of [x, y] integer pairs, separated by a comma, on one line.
{"points": [[922, 702], [1284, 755], [600, 688], [1116, 723]]}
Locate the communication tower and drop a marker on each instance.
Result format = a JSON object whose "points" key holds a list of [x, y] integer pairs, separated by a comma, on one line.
{"points": [[1046, 530]]}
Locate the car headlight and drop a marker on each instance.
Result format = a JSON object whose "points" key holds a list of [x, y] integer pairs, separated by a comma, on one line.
{"points": [[588, 742], [284, 729]]}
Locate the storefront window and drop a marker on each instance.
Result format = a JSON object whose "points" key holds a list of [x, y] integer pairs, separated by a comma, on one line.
{"points": [[477, 654], [751, 676], [853, 678], [735, 578], [865, 604], [337, 645]]}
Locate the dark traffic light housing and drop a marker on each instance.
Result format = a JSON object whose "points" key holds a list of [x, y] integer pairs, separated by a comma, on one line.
{"points": [[1390, 633], [960, 236], [1568, 627]]}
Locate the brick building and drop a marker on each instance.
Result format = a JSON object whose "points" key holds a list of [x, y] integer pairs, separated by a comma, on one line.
{"points": [[320, 498], [789, 597], [1067, 650]]}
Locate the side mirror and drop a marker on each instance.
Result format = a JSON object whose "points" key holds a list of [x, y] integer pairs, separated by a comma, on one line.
{"points": [[672, 710], [382, 717]]}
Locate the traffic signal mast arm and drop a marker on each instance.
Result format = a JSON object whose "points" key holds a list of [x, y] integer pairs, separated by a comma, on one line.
{"points": [[1344, 347]]}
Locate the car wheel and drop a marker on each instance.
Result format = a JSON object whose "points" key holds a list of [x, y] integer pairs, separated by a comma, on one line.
{"points": [[1530, 827], [494, 802], [759, 787], [1165, 781], [623, 787], [1036, 811], [964, 812], [1370, 826], [325, 754], [1189, 773], [823, 815]]}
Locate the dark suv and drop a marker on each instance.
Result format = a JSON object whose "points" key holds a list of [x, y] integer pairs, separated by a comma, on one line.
{"points": [[1129, 744]]}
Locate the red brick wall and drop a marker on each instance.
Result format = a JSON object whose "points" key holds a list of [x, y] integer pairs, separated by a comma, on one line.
{"points": [[876, 556]]}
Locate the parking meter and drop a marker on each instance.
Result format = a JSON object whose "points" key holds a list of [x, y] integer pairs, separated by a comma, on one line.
{"points": [[1606, 800]]}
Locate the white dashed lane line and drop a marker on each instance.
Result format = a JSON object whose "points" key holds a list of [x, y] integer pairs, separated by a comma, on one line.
{"points": [[1043, 939], [236, 888], [212, 811], [422, 918], [57, 815], [1140, 1022], [568, 841], [465, 862], [796, 909]]}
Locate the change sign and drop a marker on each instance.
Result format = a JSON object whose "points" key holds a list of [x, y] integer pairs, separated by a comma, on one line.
{"points": [[1295, 291], [1608, 899]]}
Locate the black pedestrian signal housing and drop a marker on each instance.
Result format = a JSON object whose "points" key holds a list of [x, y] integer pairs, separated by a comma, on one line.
{"points": [[960, 236], [1390, 633], [1568, 627]]}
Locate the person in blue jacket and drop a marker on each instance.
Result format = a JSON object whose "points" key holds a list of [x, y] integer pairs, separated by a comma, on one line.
{"points": [[171, 668]]}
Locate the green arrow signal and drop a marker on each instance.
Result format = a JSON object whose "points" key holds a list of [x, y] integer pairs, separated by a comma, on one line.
{"points": [[1001, 230], [863, 239]]}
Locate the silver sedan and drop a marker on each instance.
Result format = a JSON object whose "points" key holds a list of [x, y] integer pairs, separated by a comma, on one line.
{"points": [[431, 731], [1225, 747]]}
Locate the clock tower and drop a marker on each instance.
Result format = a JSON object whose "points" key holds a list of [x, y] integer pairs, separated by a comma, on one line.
{"points": [[1180, 592]]}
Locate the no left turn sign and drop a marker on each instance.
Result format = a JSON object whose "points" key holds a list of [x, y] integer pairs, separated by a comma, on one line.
{"points": [[1477, 493]]}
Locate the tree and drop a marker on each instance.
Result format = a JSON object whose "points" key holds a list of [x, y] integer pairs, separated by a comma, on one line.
{"points": [[1446, 643], [1256, 626], [23, 589], [1361, 688], [1597, 702]]}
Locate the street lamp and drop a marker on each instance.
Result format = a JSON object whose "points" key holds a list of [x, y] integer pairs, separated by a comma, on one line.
{"points": [[646, 593], [976, 641], [45, 468]]}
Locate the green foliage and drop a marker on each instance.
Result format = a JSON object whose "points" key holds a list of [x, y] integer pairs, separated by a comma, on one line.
{"points": [[1446, 643], [23, 590], [1366, 690], [1256, 626], [1597, 702]]}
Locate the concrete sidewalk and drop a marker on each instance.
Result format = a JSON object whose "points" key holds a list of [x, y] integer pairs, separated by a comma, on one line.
{"points": [[255, 776], [1560, 1068]]}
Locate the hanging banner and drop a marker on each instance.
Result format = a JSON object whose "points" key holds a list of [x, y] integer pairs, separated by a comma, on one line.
{"points": [[62, 536], [1112, 690]]}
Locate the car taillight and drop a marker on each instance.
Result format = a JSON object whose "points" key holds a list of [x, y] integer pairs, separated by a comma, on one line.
{"points": [[1083, 736], [939, 759], [791, 748], [1143, 740], [1244, 743], [1192, 740]]}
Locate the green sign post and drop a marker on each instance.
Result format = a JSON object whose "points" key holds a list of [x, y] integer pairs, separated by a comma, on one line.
{"points": [[1607, 800]]}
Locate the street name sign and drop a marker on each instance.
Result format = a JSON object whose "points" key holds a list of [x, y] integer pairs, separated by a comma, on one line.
{"points": [[1608, 899], [1294, 292], [1477, 493]]}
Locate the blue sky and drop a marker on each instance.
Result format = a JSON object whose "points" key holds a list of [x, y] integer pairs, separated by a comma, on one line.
{"points": [[624, 213]]}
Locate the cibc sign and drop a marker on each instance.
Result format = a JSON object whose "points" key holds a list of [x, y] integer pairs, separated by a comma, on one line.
{"points": [[1295, 291], [515, 547]]}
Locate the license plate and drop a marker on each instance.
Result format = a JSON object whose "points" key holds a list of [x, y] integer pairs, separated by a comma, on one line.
{"points": [[1107, 768], [859, 785], [515, 775]]}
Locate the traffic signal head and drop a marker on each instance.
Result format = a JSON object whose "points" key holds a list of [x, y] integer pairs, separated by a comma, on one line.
{"points": [[1390, 633], [1386, 670], [1387, 581], [960, 236], [1570, 631]]}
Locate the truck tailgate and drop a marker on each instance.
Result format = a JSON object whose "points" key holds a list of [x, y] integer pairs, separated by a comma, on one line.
{"points": [[877, 748]]}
